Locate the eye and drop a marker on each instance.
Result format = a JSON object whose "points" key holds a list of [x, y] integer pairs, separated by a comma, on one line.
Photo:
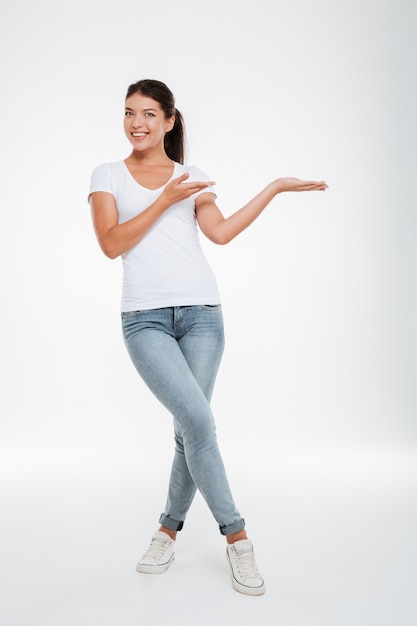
{"points": [[149, 114], [128, 113]]}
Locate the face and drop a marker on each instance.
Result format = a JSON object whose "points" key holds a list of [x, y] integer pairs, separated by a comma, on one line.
{"points": [[145, 123]]}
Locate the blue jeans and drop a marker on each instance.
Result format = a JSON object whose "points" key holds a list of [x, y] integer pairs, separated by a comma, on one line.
{"points": [[177, 352]]}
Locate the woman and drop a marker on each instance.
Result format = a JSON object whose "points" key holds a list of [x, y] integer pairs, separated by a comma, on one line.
{"points": [[146, 209]]}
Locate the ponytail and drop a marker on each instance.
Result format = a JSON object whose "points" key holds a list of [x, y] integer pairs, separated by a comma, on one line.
{"points": [[174, 141]]}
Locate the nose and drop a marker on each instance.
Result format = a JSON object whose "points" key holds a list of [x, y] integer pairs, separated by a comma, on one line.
{"points": [[137, 121]]}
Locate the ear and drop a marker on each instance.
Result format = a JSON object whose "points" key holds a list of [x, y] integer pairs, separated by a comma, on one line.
{"points": [[170, 124]]}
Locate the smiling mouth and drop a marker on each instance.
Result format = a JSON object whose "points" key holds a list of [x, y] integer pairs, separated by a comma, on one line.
{"points": [[139, 134]]}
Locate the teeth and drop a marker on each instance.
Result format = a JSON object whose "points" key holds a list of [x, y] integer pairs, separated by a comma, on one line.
{"points": [[139, 134]]}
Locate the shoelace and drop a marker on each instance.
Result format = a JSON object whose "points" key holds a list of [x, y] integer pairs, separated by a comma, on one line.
{"points": [[247, 566], [156, 550]]}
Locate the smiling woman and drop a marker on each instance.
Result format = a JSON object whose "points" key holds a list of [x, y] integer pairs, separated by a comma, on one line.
{"points": [[146, 209], [145, 123], [161, 102], [146, 126]]}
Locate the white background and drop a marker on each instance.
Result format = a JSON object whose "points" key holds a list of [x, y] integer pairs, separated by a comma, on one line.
{"points": [[316, 399]]}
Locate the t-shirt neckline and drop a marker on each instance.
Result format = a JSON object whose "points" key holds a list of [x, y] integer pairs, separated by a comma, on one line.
{"points": [[148, 188]]}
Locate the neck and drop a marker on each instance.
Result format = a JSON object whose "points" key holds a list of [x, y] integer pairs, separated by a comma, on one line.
{"points": [[151, 157]]}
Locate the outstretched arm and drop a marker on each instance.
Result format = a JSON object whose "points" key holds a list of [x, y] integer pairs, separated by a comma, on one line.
{"points": [[221, 230]]}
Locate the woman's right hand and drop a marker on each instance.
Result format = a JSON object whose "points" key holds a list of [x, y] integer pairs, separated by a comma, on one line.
{"points": [[178, 190]]}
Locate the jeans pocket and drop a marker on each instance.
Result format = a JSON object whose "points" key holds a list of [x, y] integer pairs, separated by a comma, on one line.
{"points": [[128, 314]]}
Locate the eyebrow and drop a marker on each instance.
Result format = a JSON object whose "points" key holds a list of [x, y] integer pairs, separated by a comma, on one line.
{"points": [[129, 109]]}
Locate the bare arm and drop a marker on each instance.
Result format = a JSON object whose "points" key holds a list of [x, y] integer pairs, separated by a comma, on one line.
{"points": [[221, 230], [115, 238]]}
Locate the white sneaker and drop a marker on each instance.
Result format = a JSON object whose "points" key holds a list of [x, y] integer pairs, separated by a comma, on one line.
{"points": [[159, 556], [245, 575]]}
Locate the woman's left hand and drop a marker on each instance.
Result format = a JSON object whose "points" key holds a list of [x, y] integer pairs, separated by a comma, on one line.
{"points": [[295, 184]]}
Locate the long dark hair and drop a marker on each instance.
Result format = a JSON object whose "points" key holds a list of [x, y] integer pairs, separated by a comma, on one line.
{"points": [[174, 141]]}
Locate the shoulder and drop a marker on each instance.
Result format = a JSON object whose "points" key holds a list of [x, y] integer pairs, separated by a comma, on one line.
{"points": [[108, 171], [194, 172], [106, 177], [109, 168]]}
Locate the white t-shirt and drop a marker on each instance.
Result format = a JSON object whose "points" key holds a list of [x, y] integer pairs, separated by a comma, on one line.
{"points": [[167, 267]]}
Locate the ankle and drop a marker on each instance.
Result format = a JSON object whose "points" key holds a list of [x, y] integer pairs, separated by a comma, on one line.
{"points": [[169, 532], [236, 536]]}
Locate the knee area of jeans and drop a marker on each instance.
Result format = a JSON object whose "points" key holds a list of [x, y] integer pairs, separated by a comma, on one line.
{"points": [[203, 436], [196, 439], [200, 445], [197, 430]]}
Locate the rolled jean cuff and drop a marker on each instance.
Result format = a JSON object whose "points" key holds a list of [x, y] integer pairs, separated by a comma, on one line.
{"points": [[170, 522], [232, 528]]}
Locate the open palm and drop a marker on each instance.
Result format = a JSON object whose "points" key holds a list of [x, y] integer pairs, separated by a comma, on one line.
{"points": [[296, 184]]}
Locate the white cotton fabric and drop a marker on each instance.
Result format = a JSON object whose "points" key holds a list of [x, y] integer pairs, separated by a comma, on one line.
{"points": [[167, 267]]}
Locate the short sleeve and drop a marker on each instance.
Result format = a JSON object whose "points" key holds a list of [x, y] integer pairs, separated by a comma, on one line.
{"points": [[101, 180], [197, 174]]}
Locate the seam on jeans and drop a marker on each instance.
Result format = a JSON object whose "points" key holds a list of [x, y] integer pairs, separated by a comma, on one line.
{"points": [[210, 307]]}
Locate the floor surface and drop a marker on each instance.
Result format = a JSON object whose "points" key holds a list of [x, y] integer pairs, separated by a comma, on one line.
{"points": [[335, 539]]}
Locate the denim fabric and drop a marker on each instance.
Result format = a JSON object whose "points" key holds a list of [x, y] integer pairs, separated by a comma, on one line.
{"points": [[177, 352]]}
